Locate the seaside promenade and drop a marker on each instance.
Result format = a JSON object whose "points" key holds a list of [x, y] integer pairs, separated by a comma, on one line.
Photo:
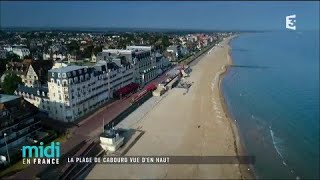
{"points": [[89, 128], [189, 124]]}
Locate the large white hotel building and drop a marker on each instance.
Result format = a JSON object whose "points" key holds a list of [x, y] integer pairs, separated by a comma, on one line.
{"points": [[143, 58], [74, 91]]}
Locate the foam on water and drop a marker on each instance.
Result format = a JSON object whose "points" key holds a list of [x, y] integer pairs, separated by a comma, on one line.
{"points": [[277, 116], [276, 144]]}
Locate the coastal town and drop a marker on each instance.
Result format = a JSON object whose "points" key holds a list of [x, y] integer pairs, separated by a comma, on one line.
{"points": [[159, 90], [67, 86]]}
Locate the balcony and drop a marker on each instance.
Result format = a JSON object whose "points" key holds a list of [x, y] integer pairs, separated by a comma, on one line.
{"points": [[16, 121], [32, 129], [24, 125]]}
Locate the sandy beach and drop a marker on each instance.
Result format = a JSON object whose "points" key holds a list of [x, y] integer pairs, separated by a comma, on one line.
{"points": [[190, 124]]}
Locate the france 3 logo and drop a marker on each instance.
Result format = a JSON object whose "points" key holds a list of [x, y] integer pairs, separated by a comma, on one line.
{"points": [[291, 22]]}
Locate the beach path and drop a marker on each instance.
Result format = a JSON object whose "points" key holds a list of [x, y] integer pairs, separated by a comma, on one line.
{"points": [[191, 124]]}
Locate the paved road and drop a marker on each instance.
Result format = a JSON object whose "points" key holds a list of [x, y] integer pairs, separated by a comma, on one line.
{"points": [[90, 128]]}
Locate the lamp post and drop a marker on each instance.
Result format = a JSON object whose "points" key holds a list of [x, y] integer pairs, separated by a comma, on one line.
{"points": [[5, 140]]}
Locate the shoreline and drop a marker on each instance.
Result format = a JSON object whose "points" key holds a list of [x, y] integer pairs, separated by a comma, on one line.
{"points": [[205, 128], [239, 147]]}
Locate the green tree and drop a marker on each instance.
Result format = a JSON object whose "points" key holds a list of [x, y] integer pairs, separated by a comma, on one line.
{"points": [[13, 57], [73, 46], [165, 42], [97, 49], [88, 51], [3, 63], [10, 83], [28, 57]]}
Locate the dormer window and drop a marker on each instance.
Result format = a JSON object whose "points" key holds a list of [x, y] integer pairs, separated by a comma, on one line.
{"points": [[59, 75], [38, 92], [64, 82], [64, 75], [52, 74], [43, 94]]}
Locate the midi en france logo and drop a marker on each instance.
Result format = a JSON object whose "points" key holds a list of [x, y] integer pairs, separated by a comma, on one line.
{"points": [[41, 154]]}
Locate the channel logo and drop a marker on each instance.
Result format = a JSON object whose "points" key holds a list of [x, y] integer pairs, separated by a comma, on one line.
{"points": [[291, 22], [41, 154]]}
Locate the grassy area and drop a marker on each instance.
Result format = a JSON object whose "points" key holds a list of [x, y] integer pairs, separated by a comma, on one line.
{"points": [[61, 138], [198, 54], [185, 58]]}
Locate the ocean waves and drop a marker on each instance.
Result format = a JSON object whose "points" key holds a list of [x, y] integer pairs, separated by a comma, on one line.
{"points": [[277, 108]]}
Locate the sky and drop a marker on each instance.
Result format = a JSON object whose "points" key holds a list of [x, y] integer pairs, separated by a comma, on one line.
{"points": [[205, 15]]}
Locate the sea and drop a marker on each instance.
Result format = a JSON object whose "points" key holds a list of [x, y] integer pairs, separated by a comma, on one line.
{"points": [[272, 93]]}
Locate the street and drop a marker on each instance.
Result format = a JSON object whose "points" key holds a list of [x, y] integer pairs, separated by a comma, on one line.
{"points": [[89, 129]]}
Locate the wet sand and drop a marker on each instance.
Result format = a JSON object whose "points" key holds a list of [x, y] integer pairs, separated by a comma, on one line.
{"points": [[186, 124]]}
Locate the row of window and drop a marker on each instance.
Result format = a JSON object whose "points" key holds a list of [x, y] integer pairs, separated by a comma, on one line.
{"points": [[68, 74], [82, 79], [34, 77], [31, 96]]}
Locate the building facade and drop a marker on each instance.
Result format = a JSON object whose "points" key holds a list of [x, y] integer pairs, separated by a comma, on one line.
{"points": [[3, 54], [21, 52], [17, 124], [32, 73], [175, 50], [37, 73], [74, 91], [38, 96], [140, 56], [18, 68], [77, 90]]}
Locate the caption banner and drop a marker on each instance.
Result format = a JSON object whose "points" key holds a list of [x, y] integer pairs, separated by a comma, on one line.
{"points": [[165, 160]]}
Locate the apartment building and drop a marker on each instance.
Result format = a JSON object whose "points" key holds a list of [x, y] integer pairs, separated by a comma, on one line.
{"points": [[175, 51], [162, 63], [139, 48], [141, 56], [18, 68], [74, 91], [21, 52], [38, 96], [17, 125], [146, 66], [32, 73], [77, 90], [3, 54], [53, 56], [37, 73]]}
